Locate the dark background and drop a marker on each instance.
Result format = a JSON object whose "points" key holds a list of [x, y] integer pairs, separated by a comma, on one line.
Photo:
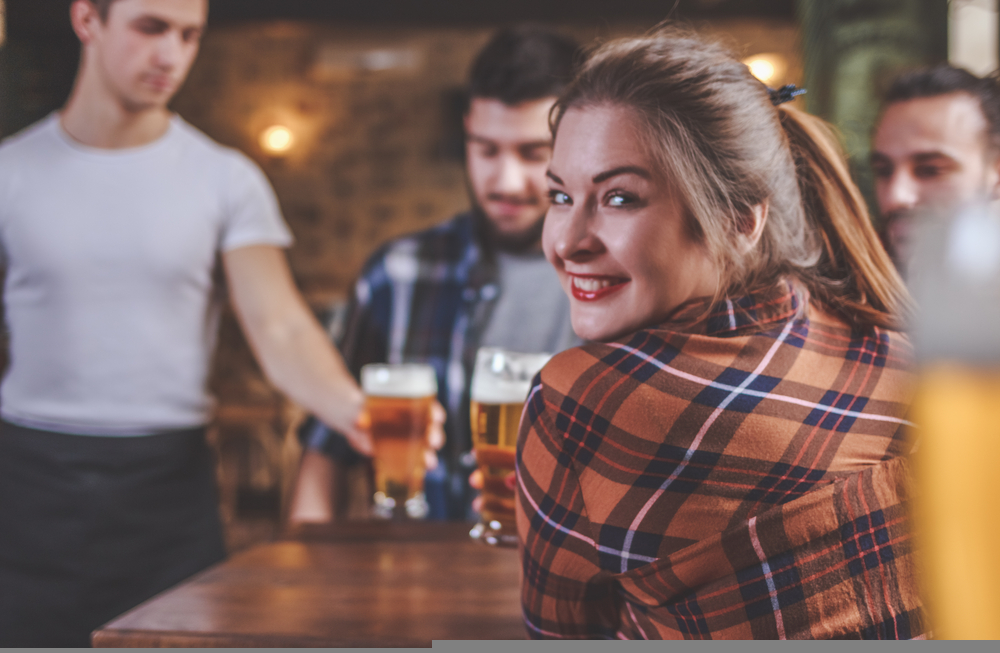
{"points": [[42, 51], [35, 17]]}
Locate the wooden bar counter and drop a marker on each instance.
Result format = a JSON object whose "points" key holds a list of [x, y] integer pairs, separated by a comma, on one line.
{"points": [[350, 584]]}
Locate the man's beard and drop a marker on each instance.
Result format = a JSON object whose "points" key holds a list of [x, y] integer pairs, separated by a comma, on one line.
{"points": [[519, 242]]}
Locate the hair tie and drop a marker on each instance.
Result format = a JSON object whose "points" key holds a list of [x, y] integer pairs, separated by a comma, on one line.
{"points": [[786, 93]]}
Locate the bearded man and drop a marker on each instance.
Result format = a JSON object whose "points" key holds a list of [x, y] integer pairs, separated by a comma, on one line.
{"points": [[478, 280], [936, 149]]}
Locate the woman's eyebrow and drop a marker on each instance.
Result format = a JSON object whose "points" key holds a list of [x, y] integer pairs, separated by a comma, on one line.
{"points": [[622, 170], [548, 173]]}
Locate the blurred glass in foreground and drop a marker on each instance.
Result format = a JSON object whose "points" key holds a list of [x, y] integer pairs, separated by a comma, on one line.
{"points": [[955, 279]]}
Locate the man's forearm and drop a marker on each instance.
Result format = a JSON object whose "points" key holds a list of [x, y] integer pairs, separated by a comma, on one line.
{"points": [[289, 343], [301, 362], [312, 498]]}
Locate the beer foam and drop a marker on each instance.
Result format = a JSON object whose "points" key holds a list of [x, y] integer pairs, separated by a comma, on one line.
{"points": [[503, 377], [404, 380], [495, 391]]}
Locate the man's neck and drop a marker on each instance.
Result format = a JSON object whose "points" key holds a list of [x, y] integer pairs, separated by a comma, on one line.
{"points": [[93, 119], [524, 244]]}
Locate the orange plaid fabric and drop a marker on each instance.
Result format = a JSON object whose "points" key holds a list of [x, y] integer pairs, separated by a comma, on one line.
{"points": [[740, 478]]}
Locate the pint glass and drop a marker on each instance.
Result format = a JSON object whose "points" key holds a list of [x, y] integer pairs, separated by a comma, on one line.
{"points": [[500, 385], [398, 399], [955, 279]]}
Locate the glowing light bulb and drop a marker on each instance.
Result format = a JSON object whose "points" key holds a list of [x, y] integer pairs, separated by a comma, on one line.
{"points": [[277, 139], [762, 69]]}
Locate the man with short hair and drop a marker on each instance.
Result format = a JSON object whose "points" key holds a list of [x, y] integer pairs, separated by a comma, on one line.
{"points": [[117, 218], [935, 148], [480, 279]]}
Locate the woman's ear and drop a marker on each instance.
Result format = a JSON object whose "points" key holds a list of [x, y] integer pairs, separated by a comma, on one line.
{"points": [[752, 223]]}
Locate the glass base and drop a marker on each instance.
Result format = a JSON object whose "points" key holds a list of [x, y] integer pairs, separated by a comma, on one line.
{"points": [[493, 534], [388, 508]]}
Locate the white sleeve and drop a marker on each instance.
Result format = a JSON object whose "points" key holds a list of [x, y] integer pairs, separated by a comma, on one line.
{"points": [[252, 213], [5, 182]]}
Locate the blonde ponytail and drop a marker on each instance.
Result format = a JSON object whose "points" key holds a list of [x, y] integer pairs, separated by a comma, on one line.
{"points": [[854, 275]]}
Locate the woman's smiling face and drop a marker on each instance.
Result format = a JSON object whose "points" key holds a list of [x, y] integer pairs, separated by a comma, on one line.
{"points": [[616, 232]]}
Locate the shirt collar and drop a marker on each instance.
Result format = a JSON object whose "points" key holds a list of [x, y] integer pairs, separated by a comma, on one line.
{"points": [[740, 315]]}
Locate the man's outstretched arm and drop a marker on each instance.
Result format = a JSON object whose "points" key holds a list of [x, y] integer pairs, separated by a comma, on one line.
{"points": [[288, 342]]}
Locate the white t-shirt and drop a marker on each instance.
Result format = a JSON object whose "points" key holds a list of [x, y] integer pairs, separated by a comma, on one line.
{"points": [[113, 271]]}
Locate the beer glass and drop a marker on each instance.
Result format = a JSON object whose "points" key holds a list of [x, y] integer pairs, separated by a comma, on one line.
{"points": [[955, 279], [398, 399], [500, 384]]}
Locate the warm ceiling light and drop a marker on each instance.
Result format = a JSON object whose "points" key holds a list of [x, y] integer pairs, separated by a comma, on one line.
{"points": [[277, 139], [762, 69], [769, 67]]}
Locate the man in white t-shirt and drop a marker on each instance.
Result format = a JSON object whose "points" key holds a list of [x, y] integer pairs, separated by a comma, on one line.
{"points": [[117, 222]]}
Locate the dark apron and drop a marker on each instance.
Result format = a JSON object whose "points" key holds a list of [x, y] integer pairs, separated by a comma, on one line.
{"points": [[91, 526]]}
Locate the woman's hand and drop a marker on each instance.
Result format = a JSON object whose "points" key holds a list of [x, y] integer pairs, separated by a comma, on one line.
{"points": [[476, 483], [435, 434]]}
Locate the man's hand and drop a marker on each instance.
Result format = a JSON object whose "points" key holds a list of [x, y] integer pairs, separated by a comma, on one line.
{"points": [[312, 498], [476, 483], [435, 434]]}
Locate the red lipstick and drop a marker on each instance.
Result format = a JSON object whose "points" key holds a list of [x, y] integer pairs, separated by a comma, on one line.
{"points": [[594, 286]]}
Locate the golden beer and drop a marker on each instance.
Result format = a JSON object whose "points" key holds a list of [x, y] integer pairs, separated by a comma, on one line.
{"points": [[954, 276], [957, 409], [398, 400], [500, 385], [494, 435]]}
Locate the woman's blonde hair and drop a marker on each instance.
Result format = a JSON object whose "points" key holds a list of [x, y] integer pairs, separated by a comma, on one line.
{"points": [[714, 132]]}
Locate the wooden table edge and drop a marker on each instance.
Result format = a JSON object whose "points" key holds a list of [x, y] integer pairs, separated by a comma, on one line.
{"points": [[128, 638], [332, 534], [376, 531]]}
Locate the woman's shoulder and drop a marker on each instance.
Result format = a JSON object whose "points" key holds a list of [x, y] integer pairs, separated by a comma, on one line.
{"points": [[882, 347], [661, 364], [656, 352], [644, 374], [581, 365]]}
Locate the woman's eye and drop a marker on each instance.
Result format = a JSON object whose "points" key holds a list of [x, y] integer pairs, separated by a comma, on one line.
{"points": [[619, 199], [559, 197]]}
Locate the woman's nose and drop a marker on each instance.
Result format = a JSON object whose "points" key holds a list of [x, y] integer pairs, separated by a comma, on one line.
{"points": [[576, 238]]}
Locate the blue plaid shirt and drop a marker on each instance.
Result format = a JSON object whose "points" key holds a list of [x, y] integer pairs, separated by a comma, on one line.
{"points": [[423, 298]]}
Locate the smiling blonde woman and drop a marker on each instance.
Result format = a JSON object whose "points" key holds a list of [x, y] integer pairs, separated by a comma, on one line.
{"points": [[725, 458]]}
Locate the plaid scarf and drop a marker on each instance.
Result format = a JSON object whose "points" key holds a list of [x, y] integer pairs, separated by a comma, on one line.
{"points": [[736, 472]]}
